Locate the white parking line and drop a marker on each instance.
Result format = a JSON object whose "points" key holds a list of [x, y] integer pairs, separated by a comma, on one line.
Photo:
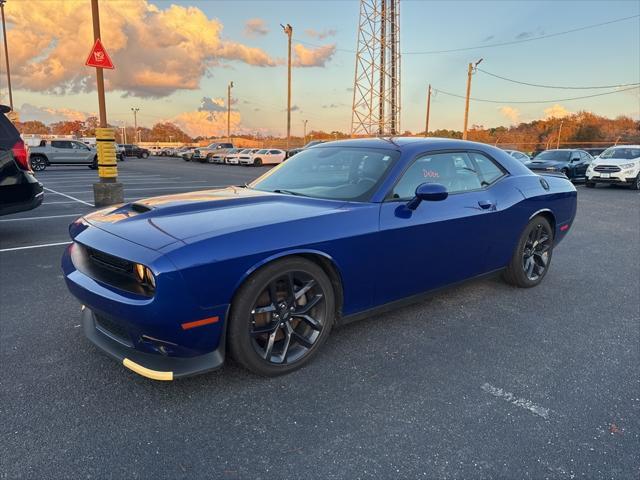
{"points": [[22, 219], [69, 196], [518, 402], [13, 249], [205, 187], [124, 182]]}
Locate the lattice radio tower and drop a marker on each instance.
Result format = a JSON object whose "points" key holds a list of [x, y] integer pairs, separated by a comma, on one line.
{"points": [[376, 89]]}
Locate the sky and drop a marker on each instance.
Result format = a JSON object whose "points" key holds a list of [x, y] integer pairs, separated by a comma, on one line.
{"points": [[174, 61]]}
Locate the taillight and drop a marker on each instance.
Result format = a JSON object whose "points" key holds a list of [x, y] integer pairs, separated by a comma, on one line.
{"points": [[21, 155]]}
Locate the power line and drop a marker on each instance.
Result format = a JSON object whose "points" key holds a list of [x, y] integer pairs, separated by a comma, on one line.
{"points": [[492, 45], [534, 101], [524, 40], [556, 87]]}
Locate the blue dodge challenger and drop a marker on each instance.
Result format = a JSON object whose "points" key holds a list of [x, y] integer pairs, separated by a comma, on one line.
{"points": [[340, 231]]}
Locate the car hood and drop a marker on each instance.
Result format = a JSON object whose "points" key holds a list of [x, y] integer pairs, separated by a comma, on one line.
{"points": [[157, 222], [544, 163], [613, 161]]}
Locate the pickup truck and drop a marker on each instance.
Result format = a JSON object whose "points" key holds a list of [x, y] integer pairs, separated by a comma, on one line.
{"points": [[206, 154], [62, 152]]}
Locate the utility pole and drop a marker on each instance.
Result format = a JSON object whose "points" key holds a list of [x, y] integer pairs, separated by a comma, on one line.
{"points": [[426, 127], [305, 131], [470, 72], [559, 133], [135, 111], [288, 30], [108, 191], [229, 87], [6, 54]]}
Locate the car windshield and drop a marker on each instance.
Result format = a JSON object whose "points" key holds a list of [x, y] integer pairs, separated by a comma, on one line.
{"points": [[555, 155], [621, 153], [337, 173]]}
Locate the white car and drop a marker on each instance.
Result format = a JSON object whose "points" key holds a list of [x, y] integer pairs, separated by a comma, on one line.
{"points": [[266, 156], [246, 156], [616, 165], [232, 158], [523, 157]]}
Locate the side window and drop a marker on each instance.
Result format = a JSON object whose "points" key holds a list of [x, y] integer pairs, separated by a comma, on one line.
{"points": [[453, 170], [60, 144], [489, 172], [275, 152]]}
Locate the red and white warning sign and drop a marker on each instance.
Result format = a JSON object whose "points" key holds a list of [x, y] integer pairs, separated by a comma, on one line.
{"points": [[99, 57]]}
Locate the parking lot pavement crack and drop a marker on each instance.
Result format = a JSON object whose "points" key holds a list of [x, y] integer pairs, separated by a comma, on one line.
{"points": [[514, 400]]}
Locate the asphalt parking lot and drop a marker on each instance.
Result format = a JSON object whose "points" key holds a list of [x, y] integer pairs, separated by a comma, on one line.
{"points": [[480, 381]]}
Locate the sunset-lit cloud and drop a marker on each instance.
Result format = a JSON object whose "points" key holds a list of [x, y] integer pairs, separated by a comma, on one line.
{"points": [[50, 115], [312, 57], [255, 27], [556, 111], [206, 124], [513, 114], [157, 51]]}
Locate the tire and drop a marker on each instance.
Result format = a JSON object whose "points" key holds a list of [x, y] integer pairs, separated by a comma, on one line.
{"points": [[532, 257], [144, 155], [38, 163], [636, 185], [257, 162], [94, 164], [186, 159], [289, 341], [209, 158], [589, 184]]}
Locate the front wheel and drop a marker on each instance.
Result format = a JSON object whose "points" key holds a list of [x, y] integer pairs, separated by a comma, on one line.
{"points": [[144, 155], [257, 162], [532, 256], [281, 316], [636, 185], [38, 163]]}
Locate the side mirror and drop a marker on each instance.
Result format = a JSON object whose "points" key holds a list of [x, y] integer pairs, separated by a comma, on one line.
{"points": [[429, 192]]}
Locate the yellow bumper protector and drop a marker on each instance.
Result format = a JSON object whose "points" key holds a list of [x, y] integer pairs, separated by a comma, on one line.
{"points": [[147, 372]]}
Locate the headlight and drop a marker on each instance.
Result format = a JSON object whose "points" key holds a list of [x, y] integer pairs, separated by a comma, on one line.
{"points": [[627, 165], [145, 275]]}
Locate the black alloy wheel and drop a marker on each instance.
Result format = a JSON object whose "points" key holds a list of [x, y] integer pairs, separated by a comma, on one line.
{"points": [[281, 316], [38, 163], [636, 185], [532, 256]]}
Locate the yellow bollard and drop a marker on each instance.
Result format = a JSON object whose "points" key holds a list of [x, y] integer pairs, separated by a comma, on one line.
{"points": [[107, 162], [107, 191]]}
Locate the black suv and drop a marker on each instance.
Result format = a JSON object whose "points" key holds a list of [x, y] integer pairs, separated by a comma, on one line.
{"points": [[135, 151], [19, 189]]}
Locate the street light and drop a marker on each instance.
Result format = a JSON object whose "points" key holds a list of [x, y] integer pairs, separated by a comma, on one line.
{"points": [[6, 54], [135, 111], [288, 30], [471, 70]]}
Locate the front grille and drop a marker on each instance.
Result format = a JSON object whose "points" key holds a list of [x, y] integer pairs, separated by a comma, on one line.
{"points": [[607, 168], [110, 262], [113, 330]]}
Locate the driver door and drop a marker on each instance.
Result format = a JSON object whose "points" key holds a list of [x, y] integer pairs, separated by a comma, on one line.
{"points": [[439, 243]]}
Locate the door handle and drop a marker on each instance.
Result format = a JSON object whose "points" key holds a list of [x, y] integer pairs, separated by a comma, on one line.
{"points": [[486, 204]]}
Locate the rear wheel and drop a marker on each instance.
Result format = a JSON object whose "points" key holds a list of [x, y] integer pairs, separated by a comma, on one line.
{"points": [[94, 164], [281, 316], [38, 163], [532, 257]]}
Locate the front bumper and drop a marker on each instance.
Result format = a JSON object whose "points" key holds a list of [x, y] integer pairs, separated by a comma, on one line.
{"points": [[153, 366], [623, 177]]}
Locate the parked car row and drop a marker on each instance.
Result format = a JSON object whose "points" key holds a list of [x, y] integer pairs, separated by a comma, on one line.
{"points": [[614, 165], [226, 153]]}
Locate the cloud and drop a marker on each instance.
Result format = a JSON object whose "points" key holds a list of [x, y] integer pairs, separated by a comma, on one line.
{"points": [[156, 51], [556, 111], [332, 105], [207, 124], [511, 113], [295, 108], [50, 115], [321, 35], [312, 57], [523, 35], [255, 27], [208, 104], [490, 37]]}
